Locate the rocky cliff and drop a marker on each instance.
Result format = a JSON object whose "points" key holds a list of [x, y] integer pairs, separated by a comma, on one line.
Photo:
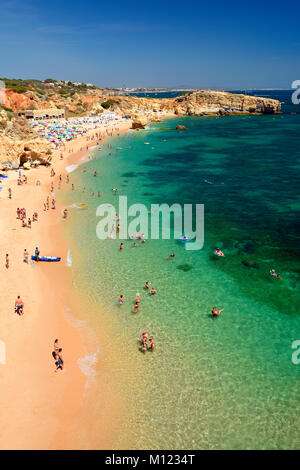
{"points": [[204, 102], [19, 144]]}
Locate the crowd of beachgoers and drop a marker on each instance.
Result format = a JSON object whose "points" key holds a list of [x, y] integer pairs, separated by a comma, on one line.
{"points": [[59, 132]]}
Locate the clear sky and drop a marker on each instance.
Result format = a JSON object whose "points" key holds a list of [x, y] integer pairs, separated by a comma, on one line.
{"points": [[187, 43]]}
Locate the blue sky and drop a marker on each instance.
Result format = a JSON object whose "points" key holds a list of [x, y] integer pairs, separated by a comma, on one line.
{"points": [[215, 44]]}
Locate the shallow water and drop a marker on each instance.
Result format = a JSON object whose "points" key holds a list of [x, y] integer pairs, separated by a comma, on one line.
{"points": [[211, 383]]}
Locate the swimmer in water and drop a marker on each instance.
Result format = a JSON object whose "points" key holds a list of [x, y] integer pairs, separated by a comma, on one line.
{"points": [[121, 246], [137, 297], [147, 285], [153, 291], [274, 274], [172, 255], [121, 300], [215, 312], [218, 252], [136, 307]]}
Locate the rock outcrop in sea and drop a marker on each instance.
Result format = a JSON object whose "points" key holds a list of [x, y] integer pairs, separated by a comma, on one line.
{"points": [[210, 102]]}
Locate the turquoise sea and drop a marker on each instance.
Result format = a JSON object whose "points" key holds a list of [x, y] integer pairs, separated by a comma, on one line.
{"points": [[225, 383]]}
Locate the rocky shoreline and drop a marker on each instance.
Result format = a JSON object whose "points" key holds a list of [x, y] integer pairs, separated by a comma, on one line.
{"points": [[19, 143]]}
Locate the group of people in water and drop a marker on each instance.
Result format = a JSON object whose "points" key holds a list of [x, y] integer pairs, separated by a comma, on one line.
{"points": [[138, 299], [147, 342]]}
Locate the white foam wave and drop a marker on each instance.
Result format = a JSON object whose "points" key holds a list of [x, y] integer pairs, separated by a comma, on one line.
{"points": [[69, 258], [71, 168]]}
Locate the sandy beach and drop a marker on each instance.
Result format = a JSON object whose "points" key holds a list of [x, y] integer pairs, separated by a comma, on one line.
{"points": [[41, 408]]}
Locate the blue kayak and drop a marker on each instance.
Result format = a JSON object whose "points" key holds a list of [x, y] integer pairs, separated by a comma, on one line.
{"points": [[49, 259]]}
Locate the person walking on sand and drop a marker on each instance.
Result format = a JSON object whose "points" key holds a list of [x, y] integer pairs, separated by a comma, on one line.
{"points": [[26, 254], [59, 360], [9, 193], [37, 253], [6, 261], [53, 203], [19, 306]]}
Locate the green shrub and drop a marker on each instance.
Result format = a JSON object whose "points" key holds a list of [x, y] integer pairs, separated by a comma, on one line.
{"points": [[107, 104]]}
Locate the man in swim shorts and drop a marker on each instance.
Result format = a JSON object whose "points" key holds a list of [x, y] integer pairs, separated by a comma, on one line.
{"points": [[19, 306]]}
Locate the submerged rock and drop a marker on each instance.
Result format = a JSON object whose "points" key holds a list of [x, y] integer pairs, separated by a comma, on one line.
{"points": [[250, 264], [184, 267]]}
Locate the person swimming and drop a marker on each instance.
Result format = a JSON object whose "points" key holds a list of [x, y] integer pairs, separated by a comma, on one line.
{"points": [[121, 300], [147, 285], [172, 255], [215, 312], [218, 252], [153, 291], [274, 274]]}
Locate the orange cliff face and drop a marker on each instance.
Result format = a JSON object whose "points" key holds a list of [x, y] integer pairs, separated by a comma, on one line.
{"points": [[18, 101]]}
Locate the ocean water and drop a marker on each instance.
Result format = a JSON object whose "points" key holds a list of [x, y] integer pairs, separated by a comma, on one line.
{"points": [[225, 383]]}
